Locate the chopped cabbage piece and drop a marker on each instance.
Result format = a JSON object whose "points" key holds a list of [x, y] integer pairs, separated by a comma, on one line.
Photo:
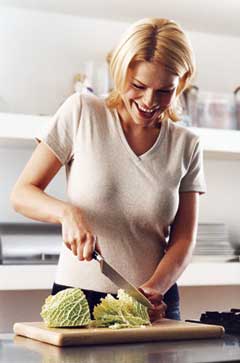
{"points": [[67, 308], [123, 312]]}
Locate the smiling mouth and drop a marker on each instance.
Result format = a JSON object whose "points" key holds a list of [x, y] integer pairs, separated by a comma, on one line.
{"points": [[144, 112]]}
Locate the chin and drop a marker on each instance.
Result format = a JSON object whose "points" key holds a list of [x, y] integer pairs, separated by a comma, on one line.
{"points": [[144, 121]]}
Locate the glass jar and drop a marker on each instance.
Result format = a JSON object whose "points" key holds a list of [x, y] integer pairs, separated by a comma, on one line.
{"points": [[215, 110]]}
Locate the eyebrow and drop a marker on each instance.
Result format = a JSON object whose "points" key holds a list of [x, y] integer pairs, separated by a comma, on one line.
{"points": [[163, 88]]}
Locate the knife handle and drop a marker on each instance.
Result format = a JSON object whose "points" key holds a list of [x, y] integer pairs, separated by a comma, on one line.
{"points": [[97, 256]]}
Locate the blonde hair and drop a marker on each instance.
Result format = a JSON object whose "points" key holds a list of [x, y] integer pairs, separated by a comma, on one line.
{"points": [[152, 40]]}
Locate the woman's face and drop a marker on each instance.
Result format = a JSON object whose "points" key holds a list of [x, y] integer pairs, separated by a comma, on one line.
{"points": [[150, 89]]}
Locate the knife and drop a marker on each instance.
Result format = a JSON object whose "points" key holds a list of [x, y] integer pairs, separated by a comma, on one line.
{"points": [[120, 281]]}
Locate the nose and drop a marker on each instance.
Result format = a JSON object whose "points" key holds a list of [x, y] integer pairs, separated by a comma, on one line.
{"points": [[149, 97]]}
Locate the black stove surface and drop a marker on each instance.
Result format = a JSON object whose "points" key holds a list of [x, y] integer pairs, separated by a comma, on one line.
{"points": [[230, 320]]}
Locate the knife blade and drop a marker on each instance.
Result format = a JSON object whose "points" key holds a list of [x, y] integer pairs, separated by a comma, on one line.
{"points": [[120, 281]]}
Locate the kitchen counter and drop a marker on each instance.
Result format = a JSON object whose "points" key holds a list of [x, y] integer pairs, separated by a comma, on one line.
{"points": [[16, 349]]}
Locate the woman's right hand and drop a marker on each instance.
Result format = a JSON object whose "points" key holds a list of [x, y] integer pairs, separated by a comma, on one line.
{"points": [[77, 235]]}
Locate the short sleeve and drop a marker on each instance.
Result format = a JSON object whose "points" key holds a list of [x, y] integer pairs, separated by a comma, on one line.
{"points": [[60, 132], [194, 179]]}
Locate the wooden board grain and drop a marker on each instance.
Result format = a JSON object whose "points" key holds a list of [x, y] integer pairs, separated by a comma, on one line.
{"points": [[164, 330]]}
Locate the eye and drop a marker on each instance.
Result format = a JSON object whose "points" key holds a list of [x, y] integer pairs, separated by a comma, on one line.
{"points": [[137, 86], [166, 91]]}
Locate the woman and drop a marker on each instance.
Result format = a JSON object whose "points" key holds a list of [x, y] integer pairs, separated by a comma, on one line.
{"points": [[133, 174]]}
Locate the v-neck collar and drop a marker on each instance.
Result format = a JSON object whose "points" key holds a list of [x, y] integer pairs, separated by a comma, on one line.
{"points": [[123, 138]]}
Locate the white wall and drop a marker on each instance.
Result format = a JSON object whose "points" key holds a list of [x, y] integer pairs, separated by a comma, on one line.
{"points": [[41, 52], [218, 61]]}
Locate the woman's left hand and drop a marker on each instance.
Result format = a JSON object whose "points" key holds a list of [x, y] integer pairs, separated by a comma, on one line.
{"points": [[158, 310]]}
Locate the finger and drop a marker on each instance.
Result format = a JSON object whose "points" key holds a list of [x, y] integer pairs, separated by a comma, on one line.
{"points": [[89, 247], [156, 317], [156, 299], [68, 245], [156, 313], [97, 246], [74, 247], [155, 296], [160, 308], [81, 240], [80, 248], [65, 239], [144, 292]]}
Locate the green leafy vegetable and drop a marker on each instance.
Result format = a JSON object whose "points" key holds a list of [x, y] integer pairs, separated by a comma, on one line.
{"points": [[67, 308], [123, 312]]}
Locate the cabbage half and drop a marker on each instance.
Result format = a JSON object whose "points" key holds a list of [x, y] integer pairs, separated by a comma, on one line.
{"points": [[68, 308], [123, 312]]}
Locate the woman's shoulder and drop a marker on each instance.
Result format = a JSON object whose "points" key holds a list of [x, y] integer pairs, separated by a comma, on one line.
{"points": [[178, 130], [93, 101], [95, 108], [84, 100]]}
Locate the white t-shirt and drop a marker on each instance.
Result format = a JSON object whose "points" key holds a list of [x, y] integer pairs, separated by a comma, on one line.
{"points": [[129, 201]]}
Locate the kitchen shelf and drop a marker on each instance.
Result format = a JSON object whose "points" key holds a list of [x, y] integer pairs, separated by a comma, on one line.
{"points": [[41, 277], [211, 274], [219, 143], [21, 126], [19, 130]]}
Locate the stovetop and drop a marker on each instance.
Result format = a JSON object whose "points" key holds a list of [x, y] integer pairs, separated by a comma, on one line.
{"points": [[230, 320]]}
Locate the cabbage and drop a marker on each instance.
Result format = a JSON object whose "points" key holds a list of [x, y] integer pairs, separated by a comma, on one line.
{"points": [[68, 307], [123, 312]]}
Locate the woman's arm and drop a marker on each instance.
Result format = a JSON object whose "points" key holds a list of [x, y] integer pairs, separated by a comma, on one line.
{"points": [[28, 198], [180, 247]]}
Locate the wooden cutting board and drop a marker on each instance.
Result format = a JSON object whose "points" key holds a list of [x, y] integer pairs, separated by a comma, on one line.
{"points": [[164, 330]]}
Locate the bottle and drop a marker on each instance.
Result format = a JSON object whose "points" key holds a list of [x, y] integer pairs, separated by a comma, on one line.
{"points": [[237, 107], [81, 84]]}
